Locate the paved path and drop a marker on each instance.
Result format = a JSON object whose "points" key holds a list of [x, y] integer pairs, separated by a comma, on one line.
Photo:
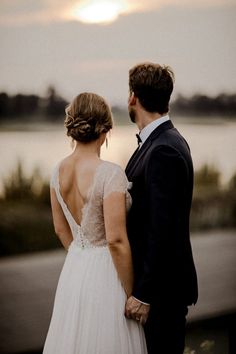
{"points": [[28, 283], [215, 258]]}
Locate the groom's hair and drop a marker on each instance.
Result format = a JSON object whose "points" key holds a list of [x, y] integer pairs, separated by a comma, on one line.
{"points": [[153, 85]]}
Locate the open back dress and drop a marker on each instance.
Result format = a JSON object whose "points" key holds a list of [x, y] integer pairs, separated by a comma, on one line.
{"points": [[88, 313]]}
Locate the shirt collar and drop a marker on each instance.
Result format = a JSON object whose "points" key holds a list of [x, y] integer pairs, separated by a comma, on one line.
{"points": [[146, 131]]}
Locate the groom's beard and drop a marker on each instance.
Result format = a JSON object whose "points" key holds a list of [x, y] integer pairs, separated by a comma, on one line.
{"points": [[132, 115]]}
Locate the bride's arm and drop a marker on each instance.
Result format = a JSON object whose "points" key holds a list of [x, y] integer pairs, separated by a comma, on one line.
{"points": [[115, 225], [60, 223]]}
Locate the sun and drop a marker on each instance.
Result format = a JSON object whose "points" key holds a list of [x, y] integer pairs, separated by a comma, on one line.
{"points": [[98, 11]]}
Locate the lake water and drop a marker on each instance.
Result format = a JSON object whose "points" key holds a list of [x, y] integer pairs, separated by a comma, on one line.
{"points": [[44, 145]]}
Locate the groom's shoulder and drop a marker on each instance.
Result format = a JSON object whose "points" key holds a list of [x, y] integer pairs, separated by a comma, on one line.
{"points": [[168, 147], [170, 139]]}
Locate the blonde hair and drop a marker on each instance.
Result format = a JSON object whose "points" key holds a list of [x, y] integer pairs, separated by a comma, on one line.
{"points": [[87, 116]]}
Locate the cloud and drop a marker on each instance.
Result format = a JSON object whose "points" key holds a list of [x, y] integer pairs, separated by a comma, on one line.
{"points": [[154, 4], [198, 43], [25, 12]]}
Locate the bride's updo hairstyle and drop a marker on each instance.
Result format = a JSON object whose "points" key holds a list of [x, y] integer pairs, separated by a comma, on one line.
{"points": [[87, 116]]}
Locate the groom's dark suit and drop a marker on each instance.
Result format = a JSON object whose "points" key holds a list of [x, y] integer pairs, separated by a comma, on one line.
{"points": [[158, 228]]}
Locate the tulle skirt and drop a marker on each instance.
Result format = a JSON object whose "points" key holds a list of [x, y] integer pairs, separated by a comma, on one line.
{"points": [[88, 314]]}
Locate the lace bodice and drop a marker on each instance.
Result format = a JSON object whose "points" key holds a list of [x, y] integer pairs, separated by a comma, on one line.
{"points": [[108, 178]]}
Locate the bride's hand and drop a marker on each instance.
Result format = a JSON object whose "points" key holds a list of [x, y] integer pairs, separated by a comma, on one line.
{"points": [[137, 310]]}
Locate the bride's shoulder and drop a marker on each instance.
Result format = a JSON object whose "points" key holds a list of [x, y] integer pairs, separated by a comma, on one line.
{"points": [[112, 167], [55, 167], [54, 174], [115, 179], [61, 165], [55, 171]]}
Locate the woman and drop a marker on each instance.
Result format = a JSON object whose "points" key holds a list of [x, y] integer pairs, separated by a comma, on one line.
{"points": [[89, 201]]}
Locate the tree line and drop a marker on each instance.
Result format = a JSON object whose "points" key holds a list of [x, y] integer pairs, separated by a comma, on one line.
{"points": [[52, 107], [220, 105]]}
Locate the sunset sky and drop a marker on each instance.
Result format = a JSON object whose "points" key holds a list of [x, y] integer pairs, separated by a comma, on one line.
{"points": [[90, 45]]}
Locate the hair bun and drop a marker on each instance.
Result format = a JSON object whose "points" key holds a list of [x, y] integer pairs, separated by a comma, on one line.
{"points": [[83, 126], [69, 121], [82, 130], [87, 117]]}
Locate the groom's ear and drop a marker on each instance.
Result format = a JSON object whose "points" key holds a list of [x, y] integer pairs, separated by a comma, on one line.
{"points": [[132, 99]]}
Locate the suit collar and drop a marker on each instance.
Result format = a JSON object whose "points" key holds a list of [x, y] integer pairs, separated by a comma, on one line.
{"points": [[161, 128], [149, 128], [146, 145]]}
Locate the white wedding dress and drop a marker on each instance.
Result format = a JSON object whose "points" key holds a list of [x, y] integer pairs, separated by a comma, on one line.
{"points": [[88, 314]]}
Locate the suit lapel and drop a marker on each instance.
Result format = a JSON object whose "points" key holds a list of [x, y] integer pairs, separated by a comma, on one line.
{"points": [[139, 153], [136, 158], [131, 160]]}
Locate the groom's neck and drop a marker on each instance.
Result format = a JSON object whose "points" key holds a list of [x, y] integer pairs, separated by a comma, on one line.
{"points": [[143, 118]]}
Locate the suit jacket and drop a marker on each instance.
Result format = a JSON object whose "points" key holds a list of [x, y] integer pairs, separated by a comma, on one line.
{"points": [[161, 173]]}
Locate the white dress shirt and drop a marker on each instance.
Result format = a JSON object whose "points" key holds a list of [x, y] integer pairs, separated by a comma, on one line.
{"points": [[146, 131]]}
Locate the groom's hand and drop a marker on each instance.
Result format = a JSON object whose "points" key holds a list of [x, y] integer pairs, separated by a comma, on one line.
{"points": [[136, 310]]}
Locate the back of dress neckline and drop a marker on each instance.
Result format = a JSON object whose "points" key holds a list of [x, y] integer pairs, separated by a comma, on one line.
{"points": [[89, 192]]}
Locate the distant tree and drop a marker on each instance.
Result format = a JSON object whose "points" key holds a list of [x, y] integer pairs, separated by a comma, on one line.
{"points": [[201, 103], [32, 104], [226, 103], [232, 199], [17, 107], [180, 105], [4, 104], [223, 104], [55, 105]]}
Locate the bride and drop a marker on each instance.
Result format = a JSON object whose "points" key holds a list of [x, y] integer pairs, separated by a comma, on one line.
{"points": [[89, 201]]}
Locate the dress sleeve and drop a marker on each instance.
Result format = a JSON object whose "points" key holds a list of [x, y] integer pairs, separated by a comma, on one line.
{"points": [[116, 181]]}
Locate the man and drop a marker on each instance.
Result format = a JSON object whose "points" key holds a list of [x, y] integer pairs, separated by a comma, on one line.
{"points": [[161, 172]]}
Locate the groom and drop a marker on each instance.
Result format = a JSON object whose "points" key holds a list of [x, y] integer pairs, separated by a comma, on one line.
{"points": [[161, 172]]}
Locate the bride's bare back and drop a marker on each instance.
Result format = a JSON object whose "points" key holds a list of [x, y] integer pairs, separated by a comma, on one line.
{"points": [[81, 185], [76, 177]]}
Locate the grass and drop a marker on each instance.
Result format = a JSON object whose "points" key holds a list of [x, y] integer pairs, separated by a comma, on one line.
{"points": [[26, 227], [214, 204]]}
